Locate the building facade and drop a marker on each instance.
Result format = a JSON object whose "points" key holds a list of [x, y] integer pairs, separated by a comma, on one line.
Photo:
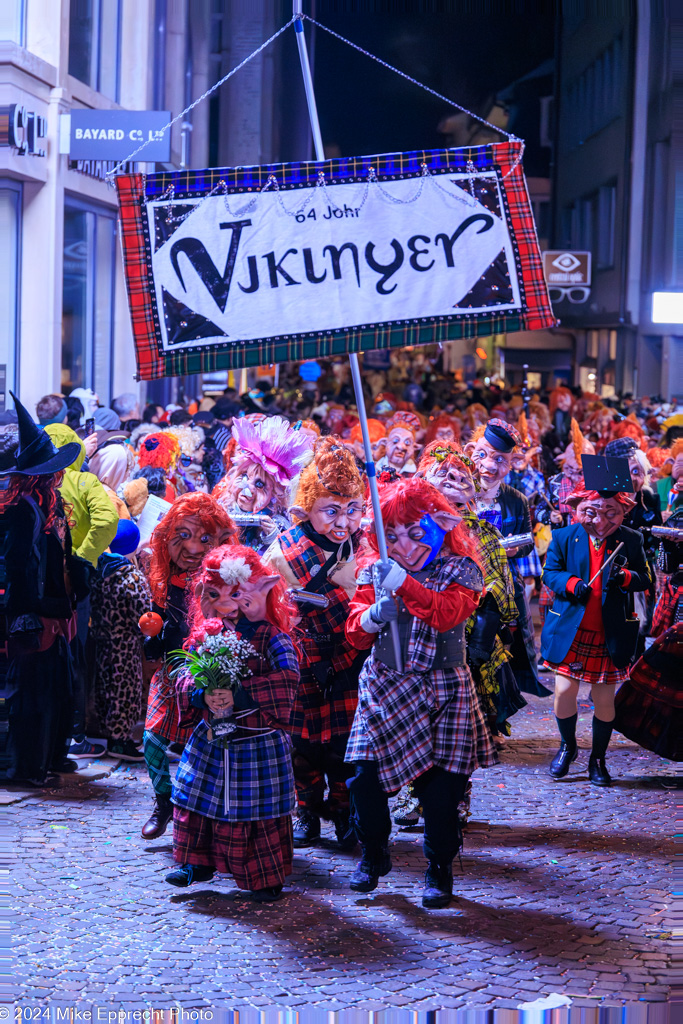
{"points": [[618, 180]]}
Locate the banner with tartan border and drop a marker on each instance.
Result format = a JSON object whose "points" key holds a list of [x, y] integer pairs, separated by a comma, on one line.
{"points": [[162, 259]]}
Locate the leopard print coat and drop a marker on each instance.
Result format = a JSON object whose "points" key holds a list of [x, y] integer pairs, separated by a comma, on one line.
{"points": [[117, 602]]}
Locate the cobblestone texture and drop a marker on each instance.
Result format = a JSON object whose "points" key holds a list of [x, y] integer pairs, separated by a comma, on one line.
{"points": [[564, 889]]}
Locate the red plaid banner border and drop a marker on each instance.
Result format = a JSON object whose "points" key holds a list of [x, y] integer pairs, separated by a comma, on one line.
{"points": [[153, 362]]}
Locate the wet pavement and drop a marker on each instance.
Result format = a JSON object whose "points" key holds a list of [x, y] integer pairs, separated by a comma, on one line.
{"points": [[565, 888]]}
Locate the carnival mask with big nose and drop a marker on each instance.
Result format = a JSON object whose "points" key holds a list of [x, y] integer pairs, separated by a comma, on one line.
{"points": [[600, 517], [334, 517], [490, 464], [190, 541], [400, 447], [230, 603], [253, 489], [414, 545], [454, 480]]}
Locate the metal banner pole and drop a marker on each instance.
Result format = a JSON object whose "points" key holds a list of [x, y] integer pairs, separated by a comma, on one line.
{"points": [[353, 357]]}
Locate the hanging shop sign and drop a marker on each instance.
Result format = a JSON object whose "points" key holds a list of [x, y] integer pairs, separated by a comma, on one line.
{"points": [[246, 266], [23, 130], [565, 269], [112, 134]]}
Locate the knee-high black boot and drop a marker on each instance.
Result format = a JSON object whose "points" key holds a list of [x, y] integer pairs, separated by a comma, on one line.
{"points": [[597, 769]]}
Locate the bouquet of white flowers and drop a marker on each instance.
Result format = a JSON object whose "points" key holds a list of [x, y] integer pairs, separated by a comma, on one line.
{"points": [[219, 661]]}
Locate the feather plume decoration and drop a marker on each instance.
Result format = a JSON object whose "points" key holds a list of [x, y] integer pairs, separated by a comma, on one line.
{"points": [[273, 445], [577, 440]]}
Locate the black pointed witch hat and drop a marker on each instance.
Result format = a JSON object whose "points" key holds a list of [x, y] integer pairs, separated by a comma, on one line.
{"points": [[37, 455]]}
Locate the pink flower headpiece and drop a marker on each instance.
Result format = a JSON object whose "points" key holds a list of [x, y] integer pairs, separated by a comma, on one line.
{"points": [[273, 445]]}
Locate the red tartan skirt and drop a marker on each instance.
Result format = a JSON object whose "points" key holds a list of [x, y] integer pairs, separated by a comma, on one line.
{"points": [[163, 715], [588, 660], [258, 854]]}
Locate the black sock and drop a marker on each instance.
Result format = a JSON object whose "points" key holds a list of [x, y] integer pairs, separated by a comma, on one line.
{"points": [[601, 736], [567, 727]]}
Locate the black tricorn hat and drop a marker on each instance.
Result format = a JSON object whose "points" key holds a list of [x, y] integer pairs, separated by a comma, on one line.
{"points": [[36, 454]]}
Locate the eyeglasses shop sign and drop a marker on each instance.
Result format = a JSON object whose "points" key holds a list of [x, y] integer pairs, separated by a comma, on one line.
{"points": [[114, 134]]}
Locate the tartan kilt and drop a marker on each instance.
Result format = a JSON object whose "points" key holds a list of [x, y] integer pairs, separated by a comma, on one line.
{"points": [[163, 715], [649, 707], [316, 719], [258, 854], [588, 660]]}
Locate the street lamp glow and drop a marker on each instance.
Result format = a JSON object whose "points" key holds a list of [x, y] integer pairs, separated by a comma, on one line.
{"points": [[667, 307]]}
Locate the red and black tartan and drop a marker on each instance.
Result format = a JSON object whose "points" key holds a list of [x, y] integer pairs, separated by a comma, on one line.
{"points": [[321, 638], [665, 609], [163, 716], [589, 661], [258, 854]]}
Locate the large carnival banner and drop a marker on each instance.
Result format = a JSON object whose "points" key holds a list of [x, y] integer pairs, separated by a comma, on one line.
{"points": [[237, 267]]}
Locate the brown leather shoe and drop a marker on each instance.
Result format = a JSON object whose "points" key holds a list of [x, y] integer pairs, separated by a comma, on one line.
{"points": [[158, 819]]}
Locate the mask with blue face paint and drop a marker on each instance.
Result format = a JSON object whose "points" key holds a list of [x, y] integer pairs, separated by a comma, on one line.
{"points": [[434, 537]]}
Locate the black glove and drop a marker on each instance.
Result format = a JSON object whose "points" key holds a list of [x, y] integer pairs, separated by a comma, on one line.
{"points": [[581, 593], [484, 630], [617, 577]]}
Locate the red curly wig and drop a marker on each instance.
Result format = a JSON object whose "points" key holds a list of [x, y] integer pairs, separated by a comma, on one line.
{"points": [[406, 501], [555, 397], [332, 474], [159, 451], [280, 610], [580, 494], [213, 519]]}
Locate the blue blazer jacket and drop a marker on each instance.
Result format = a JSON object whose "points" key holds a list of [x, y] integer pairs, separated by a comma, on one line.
{"points": [[569, 555]]}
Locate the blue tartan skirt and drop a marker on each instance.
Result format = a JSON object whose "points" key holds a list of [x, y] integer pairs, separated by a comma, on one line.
{"points": [[249, 780]]}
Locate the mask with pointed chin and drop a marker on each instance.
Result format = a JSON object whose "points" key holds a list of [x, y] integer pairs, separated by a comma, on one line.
{"points": [[455, 482], [400, 447], [415, 545], [600, 517]]}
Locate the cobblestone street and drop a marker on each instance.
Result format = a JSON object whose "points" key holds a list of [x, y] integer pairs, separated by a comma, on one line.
{"points": [[564, 890]]}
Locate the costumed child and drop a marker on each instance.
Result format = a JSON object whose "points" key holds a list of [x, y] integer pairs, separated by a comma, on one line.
{"points": [[448, 469], [268, 455], [491, 450], [317, 557], [193, 526], [590, 634], [401, 444], [233, 793], [420, 722]]}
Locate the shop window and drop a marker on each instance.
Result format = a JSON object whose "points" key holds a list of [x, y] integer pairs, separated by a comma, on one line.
{"points": [[95, 44], [88, 298], [10, 242], [13, 21]]}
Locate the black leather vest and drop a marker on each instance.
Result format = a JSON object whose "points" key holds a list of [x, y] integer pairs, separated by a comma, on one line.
{"points": [[450, 646]]}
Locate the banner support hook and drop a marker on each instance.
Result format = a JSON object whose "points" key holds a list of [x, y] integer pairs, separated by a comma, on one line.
{"points": [[353, 356]]}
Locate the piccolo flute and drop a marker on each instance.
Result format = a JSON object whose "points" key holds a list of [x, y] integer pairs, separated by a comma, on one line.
{"points": [[245, 518], [517, 540], [668, 533], [306, 597]]}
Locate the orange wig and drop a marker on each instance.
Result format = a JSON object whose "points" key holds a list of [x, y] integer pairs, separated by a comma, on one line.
{"points": [[332, 474]]}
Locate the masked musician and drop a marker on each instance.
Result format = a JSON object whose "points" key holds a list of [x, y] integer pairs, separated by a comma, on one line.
{"points": [[317, 556], [590, 633], [419, 722], [268, 456]]}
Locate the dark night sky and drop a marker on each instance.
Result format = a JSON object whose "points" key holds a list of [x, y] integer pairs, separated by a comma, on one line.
{"points": [[364, 108]]}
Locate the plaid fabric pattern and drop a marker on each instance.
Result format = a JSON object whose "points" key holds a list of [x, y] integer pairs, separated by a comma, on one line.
{"points": [[528, 565], [135, 190], [156, 762], [531, 483], [258, 772], [162, 716], [322, 638], [258, 854], [649, 707], [665, 609], [409, 722], [499, 583], [588, 660], [250, 779]]}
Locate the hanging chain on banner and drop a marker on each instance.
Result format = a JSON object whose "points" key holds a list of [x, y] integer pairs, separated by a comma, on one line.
{"points": [[305, 17]]}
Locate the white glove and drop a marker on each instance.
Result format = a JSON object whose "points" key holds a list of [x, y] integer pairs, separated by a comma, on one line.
{"points": [[388, 575]]}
